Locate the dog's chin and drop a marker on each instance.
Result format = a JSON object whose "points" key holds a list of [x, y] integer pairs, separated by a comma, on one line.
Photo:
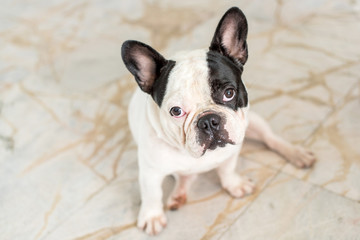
{"points": [[216, 144], [209, 147], [197, 153]]}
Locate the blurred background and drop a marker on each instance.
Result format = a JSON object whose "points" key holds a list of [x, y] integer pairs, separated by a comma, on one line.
{"points": [[68, 165]]}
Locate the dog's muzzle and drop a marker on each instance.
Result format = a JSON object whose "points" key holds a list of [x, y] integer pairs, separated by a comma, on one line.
{"points": [[211, 132]]}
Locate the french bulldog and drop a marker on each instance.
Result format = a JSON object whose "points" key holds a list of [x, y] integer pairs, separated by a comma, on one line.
{"points": [[191, 114]]}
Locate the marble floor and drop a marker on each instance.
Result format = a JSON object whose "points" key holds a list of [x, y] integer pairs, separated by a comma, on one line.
{"points": [[68, 167]]}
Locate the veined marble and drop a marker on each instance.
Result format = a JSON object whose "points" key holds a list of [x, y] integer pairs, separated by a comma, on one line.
{"points": [[68, 165]]}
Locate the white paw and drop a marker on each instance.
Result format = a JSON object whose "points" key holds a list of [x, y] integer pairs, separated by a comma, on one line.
{"points": [[240, 188], [302, 158], [152, 225]]}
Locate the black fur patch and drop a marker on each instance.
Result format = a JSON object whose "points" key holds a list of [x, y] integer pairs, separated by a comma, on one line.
{"points": [[224, 73], [159, 87]]}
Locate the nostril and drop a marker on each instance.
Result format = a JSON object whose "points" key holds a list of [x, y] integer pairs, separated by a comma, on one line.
{"points": [[209, 122], [203, 124], [214, 122]]}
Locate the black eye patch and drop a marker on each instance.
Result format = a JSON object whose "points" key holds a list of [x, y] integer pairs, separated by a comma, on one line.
{"points": [[225, 74]]}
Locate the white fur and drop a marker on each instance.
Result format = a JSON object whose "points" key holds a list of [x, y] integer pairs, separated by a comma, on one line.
{"points": [[167, 145]]}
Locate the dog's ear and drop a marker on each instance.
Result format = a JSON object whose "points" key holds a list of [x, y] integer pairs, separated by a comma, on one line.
{"points": [[143, 62], [230, 36]]}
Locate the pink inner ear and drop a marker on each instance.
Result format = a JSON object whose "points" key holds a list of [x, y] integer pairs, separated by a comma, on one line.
{"points": [[146, 69], [230, 40]]}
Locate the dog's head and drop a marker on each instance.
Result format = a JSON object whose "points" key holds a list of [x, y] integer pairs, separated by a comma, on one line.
{"points": [[202, 99]]}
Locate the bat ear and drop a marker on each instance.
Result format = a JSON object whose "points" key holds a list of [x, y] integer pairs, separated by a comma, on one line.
{"points": [[143, 62], [230, 36]]}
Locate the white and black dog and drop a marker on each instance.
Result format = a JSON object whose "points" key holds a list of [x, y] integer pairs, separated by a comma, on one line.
{"points": [[191, 115]]}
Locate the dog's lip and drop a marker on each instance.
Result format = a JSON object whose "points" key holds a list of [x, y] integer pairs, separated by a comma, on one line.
{"points": [[216, 143]]}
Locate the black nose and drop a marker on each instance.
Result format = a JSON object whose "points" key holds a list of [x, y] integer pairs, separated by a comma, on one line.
{"points": [[209, 123]]}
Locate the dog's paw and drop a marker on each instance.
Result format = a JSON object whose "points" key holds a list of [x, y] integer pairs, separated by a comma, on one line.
{"points": [[152, 225], [176, 201], [240, 188], [302, 158]]}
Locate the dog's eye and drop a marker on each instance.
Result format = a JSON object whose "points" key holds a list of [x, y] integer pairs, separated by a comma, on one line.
{"points": [[229, 94], [177, 112]]}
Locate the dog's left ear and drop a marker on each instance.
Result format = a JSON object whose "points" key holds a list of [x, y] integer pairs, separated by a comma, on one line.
{"points": [[230, 36]]}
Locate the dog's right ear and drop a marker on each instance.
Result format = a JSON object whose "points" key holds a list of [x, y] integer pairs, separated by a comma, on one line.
{"points": [[143, 62]]}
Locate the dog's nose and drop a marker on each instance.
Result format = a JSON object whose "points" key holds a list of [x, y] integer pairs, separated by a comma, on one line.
{"points": [[209, 123]]}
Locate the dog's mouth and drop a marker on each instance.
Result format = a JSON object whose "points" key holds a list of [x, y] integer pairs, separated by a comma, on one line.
{"points": [[216, 143]]}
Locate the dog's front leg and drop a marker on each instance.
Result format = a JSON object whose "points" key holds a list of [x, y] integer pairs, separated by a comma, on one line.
{"points": [[151, 216], [238, 186]]}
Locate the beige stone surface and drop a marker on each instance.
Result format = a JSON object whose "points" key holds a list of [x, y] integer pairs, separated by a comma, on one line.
{"points": [[68, 167], [314, 214]]}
